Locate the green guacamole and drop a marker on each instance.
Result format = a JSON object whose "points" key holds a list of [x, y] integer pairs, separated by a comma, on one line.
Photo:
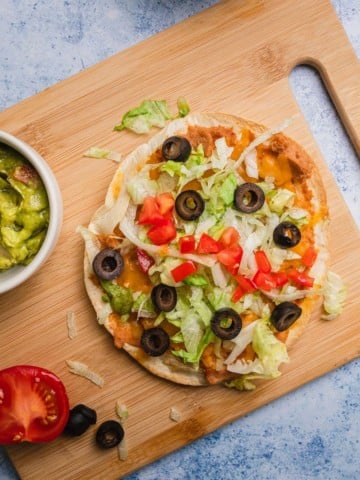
{"points": [[24, 209]]}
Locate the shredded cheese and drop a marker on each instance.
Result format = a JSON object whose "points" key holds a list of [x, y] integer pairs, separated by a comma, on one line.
{"points": [[71, 325], [78, 368]]}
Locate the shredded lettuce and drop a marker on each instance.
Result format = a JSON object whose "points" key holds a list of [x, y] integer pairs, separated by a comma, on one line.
{"points": [[140, 187], [97, 152], [335, 293], [228, 188], [151, 113], [194, 357], [270, 351], [183, 107], [280, 199]]}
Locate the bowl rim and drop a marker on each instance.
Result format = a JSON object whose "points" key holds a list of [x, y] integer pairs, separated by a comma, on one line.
{"points": [[20, 273]]}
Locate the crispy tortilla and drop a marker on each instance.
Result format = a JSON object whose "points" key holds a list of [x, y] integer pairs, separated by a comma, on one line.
{"points": [[306, 178]]}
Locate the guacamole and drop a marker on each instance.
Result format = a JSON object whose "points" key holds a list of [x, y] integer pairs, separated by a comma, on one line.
{"points": [[24, 209]]}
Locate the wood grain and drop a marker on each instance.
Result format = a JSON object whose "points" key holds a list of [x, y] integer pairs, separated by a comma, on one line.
{"points": [[234, 57]]}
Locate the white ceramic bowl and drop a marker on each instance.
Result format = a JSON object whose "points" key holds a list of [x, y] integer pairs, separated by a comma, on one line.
{"points": [[16, 275]]}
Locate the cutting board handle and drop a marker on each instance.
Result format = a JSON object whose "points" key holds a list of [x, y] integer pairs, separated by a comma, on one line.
{"points": [[344, 90]]}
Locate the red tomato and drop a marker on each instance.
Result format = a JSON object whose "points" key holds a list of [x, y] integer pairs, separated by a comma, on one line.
{"points": [[238, 293], [34, 406], [265, 281], [144, 259], [262, 261], [161, 234], [230, 257], [229, 237], [247, 285], [309, 257], [150, 213], [208, 244], [165, 202], [187, 244], [280, 278], [183, 270], [301, 278]]}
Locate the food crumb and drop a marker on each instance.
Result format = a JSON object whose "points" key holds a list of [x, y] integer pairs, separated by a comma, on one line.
{"points": [[71, 325], [175, 415], [122, 412]]}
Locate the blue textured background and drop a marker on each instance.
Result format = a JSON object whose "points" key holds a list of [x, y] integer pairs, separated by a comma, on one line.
{"points": [[312, 433]]}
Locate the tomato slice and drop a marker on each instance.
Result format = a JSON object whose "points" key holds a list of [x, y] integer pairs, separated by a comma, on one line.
{"points": [[162, 234], [247, 285], [183, 270], [187, 244], [34, 406], [230, 236], [301, 278], [262, 261], [150, 213], [230, 257], [165, 202], [208, 244], [265, 281], [145, 261]]}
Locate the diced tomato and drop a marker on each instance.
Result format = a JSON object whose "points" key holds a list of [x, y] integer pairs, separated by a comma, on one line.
{"points": [[301, 278], [183, 270], [165, 202], [230, 257], [144, 259], [187, 244], [309, 257], [208, 244], [34, 406], [230, 236], [246, 284], [150, 213], [280, 278], [265, 281], [262, 261], [161, 234], [238, 293]]}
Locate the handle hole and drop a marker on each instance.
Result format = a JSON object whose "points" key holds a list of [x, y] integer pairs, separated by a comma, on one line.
{"points": [[329, 132]]}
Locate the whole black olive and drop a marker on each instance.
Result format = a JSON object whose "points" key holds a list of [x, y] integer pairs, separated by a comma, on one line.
{"points": [[226, 323], [155, 341], [176, 148], [108, 264], [284, 315], [286, 235], [109, 434], [249, 197], [164, 297], [189, 205], [80, 419]]}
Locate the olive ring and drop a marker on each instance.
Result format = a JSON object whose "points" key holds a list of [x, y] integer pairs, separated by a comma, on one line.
{"points": [[249, 197], [226, 323]]}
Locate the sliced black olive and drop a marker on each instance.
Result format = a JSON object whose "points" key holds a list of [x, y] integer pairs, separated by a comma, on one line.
{"points": [[189, 205], [80, 419], [286, 235], [155, 341], [109, 434], [108, 264], [284, 315], [176, 148], [226, 323], [249, 197], [164, 297]]}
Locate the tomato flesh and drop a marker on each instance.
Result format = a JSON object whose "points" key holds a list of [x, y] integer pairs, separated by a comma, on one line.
{"points": [[187, 244], [183, 270], [34, 406], [208, 244]]}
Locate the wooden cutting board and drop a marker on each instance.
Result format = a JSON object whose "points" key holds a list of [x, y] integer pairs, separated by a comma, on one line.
{"points": [[234, 57]]}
